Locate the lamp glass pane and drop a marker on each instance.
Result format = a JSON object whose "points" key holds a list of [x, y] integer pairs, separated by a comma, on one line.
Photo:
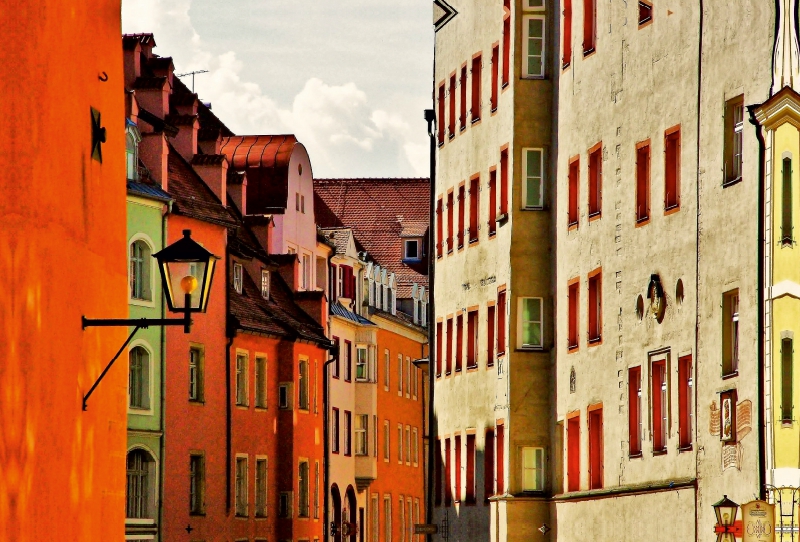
{"points": [[176, 272]]}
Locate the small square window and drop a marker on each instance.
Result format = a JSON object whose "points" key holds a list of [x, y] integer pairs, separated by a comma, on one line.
{"points": [[265, 284], [238, 277], [532, 469], [411, 249], [285, 396]]}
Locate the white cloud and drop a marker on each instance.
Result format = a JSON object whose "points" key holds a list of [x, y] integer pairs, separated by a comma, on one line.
{"points": [[344, 135]]}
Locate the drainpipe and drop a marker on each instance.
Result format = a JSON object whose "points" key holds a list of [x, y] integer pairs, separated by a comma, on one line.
{"points": [[163, 371], [697, 266], [762, 453], [430, 117], [326, 444], [230, 332]]}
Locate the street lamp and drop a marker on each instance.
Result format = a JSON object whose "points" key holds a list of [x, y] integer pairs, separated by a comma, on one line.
{"points": [[726, 511], [187, 270]]}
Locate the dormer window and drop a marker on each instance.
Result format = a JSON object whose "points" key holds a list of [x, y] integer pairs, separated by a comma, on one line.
{"points": [[238, 277], [265, 284], [132, 139], [412, 249]]}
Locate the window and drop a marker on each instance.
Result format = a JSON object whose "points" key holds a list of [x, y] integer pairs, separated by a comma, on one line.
{"points": [[503, 183], [375, 519], [530, 321], [534, 45], [261, 487], [461, 204], [132, 139], [476, 88], [451, 124], [139, 379], [261, 382], [439, 228], [399, 443], [302, 385], [506, 46], [439, 340], [532, 469], [533, 186], [787, 225], [595, 307], [335, 363], [387, 515], [197, 480], [408, 445], [450, 211], [645, 13], [635, 411], [241, 379], [362, 368], [730, 332], [141, 263], [322, 268], [495, 74], [141, 484], [238, 277], [462, 82], [348, 366], [416, 513], [285, 396], [469, 492], [734, 124], [440, 127], [659, 396], [374, 435], [574, 453], [672, 169], [285, 504], [566, 44], [195, 373], [449, 339], [335, 431], [402, 519], [306, 272], [348, 432], [409, 376], [302, 497], [400, 374], [411, 250], [457, 451], [572, 192], [685, 402], [589, 26], [572, 314], [595, 180], [727, 431], [415, 446], [474, 198], [362, 420], [265, 284], [501, 322], [386, 369], [787, 371], [492, 202], [488, 465], [386, 440], [500, 453], [448, 476], [643, 182], [596, 448], [459, 341], [437, 475], [490, 311], [241, 486], [472, 339]]}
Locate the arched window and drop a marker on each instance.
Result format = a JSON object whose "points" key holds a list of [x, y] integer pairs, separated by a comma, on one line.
{"points": [[139, 491], [140, 271], [132, 139], [139, 378]]}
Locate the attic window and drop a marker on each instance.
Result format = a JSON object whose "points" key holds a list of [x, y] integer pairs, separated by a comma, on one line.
{"points": [[645, 13], [265, 284], [237, 277], [411, 249]]}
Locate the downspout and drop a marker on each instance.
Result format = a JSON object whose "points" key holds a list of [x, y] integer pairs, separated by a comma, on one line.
{"points": [[326, 445], [163, 371], [762, 453], [230, 332], [430, 117], [697, 269]]}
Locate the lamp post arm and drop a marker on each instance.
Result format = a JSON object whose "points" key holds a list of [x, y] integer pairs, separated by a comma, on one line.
{"points": [[110, 363]]}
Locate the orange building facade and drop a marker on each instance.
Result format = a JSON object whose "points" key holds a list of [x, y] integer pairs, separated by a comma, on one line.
{"points": [[62, 255]]}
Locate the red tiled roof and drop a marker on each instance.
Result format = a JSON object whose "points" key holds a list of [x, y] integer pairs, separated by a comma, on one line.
{"points": [[145, 82], [378, 211], [208, 159], [129, 41], [266, 160], [192, 196]]}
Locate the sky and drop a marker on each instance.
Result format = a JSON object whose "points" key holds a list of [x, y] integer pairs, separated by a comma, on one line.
{"points": [[350, 78]]}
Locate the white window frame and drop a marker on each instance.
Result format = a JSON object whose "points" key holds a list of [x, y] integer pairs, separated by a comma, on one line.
{"points": [[152, 486], [526, 38], [521, 324], [303, 384], [408, 445], [238, 277], [303, 508], [406, 243], [527, 5], [196, 370], [285, 396], [387, 448], [153, 271], [400, 375], [537, 467], [148, 375], [305, 270], [362, 363], [265, 283], [198, 478], [242, 379], [242, 505], [262, 508], [408, 377], [387, 367], [415, 446], [361, 435], [261, 368], [132, 155], [526, 178], [399, 443], [387, 517]]}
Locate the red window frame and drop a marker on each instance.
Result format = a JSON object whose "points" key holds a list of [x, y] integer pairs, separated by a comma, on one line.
{"points": [[472, 339], [440, 128], [461, 212], [451, 124], [469, 493], [457, 450], [596, 452], [474, 205], [439, 229], [672, 169], [335, 434], [642, 183], [437, 479], [449, 357], [573, 180], [348, 428], [450, 211], [463, 84], [476, 88], [635, 411], [495, 69], [566, 44], [595, 181], [348, 361], [500, 454], [589, 26], [573, 300], [438, 349], [595, 307], [658, 379], [506, 46], [490, 321], [574, 452], [492, 201], [501, 323], [488, 465], [504, 180], [685, 417], [448, 476], [335, 364], [459, 341]]}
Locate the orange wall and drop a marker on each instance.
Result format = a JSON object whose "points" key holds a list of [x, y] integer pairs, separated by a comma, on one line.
{"points": [[62, 255]]}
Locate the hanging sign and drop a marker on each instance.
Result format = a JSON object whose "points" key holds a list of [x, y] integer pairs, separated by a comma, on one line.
{"points": [[758, 519]]}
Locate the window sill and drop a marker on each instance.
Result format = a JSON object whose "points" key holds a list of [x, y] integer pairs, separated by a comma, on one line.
{"points": [[451, 135], [441, 143], [642, 221], [534, 208], [493, 110], [595, 216], [786, 423], [473, 242], [657, 453], [787, 242], [726, 184], [589, 52], [572, 348], [687, 448], [505, 85], [502, 218], [197, 514], [200, 402], [734, 374], [565, 65], [531, 348], [572, 225], [412, 260], [672, 210], [637, 455], [645, 23], [595, 341], [463, 126], [472, 368], [475, 120]]}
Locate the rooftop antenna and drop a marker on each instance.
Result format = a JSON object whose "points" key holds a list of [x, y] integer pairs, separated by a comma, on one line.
{"points": [[192, 74]]}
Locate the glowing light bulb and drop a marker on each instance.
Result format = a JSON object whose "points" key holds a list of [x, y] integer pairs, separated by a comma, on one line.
{"points": [[188, 284]]}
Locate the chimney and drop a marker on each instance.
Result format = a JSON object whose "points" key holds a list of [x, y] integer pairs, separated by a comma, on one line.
{"points": [[209, 140], [153, 95], [289, 272], [131, 58], [186, 140], [237, 189], [313, 304], [153, 152], [213, 169]]}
